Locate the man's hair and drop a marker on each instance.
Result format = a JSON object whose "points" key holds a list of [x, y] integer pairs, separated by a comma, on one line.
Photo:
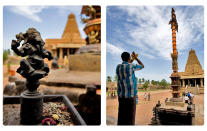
{"points": [[125, 56]]}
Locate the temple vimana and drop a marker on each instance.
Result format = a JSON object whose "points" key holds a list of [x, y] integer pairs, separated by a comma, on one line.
{"points": [[192, 79]]}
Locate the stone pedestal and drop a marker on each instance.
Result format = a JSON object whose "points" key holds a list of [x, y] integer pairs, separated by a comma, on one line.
{"points": [[31, 107]]}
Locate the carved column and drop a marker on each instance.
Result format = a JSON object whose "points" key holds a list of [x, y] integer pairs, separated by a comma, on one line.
{"points": [[61, 53], [184, 82], [201, 80], [68, 52], [188, 82], [55, 53]]}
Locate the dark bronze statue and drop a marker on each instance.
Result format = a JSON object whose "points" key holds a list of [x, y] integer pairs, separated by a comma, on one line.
{"points": [[33, 67]]}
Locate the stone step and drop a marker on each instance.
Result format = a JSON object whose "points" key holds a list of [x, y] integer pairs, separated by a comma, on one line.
{"points": [[72, 93]]}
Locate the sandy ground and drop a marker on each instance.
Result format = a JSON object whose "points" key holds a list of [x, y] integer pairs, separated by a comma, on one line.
{"points": [[144, 111]]}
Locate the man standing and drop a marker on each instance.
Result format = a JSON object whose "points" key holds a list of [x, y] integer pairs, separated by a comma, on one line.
{"points": [[127, 88]]}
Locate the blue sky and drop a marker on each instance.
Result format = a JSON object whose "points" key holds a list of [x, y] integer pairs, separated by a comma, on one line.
{"points": [[50, 21], [145, 30]]}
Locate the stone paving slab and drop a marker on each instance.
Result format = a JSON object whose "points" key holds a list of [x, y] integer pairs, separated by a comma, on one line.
{"points": [[72, 78]]}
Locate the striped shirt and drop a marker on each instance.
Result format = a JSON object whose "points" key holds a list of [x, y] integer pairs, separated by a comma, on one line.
{"points": [[127, 83]]}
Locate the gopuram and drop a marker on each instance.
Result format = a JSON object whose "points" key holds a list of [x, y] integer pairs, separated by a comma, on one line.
{"points": [[192, 80], [70, 42], [174, 111]]}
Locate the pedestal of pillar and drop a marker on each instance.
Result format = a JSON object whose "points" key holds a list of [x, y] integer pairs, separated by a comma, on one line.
{"points": [[31, 107]]}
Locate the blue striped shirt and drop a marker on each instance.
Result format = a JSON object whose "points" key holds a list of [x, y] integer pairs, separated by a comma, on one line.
{"points": [[127, 83]]}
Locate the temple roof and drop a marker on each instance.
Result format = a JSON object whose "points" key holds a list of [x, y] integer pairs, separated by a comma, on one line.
{"points": [[193, 68], [71, 34], [71, 29]]}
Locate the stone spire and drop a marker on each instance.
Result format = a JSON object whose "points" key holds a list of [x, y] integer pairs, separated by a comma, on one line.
{"points": [[193, 65], [71, 31]]}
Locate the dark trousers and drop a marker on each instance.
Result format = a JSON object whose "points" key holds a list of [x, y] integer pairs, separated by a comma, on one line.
{"points": [[127, 111]]}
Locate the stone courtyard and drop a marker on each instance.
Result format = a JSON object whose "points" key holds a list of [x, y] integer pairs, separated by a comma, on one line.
{"points": [[62, 81]]}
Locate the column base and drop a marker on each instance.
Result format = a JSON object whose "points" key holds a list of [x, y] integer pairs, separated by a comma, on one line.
{"points": [[31, 107]]}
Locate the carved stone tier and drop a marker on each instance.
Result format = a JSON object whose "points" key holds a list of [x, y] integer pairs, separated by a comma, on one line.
{"points": [[174, 62]]}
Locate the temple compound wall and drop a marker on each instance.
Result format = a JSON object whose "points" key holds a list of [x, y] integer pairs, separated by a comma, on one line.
{"points": [[85, 62]]}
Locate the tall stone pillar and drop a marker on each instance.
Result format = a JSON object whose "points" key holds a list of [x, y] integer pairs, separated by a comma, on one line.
{"points": [[201, 80], [189, 82], [183, 83], [68, 52], [61, 53], [55, 53]]}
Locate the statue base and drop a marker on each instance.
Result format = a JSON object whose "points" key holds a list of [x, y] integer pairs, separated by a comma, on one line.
{"points": [[175, 102], [31, 107]]}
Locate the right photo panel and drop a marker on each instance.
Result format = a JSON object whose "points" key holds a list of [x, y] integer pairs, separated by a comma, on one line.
{"points": [[155, 65]]}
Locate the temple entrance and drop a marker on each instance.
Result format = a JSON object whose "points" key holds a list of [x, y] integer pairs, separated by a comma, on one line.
{"points": [[198, 82], [72, 50], [58, 52], [65, 53]]}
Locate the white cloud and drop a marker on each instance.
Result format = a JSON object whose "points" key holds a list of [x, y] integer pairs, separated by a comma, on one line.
{"points": [[114, 50], [30, 12], [151, 33]]}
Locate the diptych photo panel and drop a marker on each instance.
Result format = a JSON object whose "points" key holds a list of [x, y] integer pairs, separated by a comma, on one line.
{"points": [[107, 64]]}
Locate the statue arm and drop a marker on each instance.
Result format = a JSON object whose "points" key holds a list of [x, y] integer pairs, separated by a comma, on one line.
{"points": [[47, 54], [14, 46], [96, 34]]}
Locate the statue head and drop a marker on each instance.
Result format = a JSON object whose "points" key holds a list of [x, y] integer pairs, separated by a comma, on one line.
{"points": [[92, 32], [33, 35]]}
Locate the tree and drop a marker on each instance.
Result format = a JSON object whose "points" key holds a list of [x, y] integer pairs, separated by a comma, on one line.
{"points": [[163, 83], [108, 79], [115, 78], [140, 81], [145, 85], [5, 55], [148, 81], [143, 80]]}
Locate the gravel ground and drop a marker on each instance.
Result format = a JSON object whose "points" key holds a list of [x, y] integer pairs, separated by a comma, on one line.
{"points": [[54, 110]]}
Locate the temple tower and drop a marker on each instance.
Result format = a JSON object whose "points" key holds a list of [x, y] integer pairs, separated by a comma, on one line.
{"points": [[192, 79]]}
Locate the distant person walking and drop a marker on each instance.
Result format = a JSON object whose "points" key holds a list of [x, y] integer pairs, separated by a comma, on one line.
{"points": [[149, 95], [145, 96], [186, 99], [127, 88]]}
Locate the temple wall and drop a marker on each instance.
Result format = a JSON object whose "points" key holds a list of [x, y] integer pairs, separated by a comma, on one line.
{"points": [[85, 62]]}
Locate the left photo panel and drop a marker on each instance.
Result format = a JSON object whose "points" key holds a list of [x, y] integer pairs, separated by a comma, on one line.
{"points": [[52, 65]]}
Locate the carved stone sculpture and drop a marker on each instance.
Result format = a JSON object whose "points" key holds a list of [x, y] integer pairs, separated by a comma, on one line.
{"points": [[92, 37]]}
